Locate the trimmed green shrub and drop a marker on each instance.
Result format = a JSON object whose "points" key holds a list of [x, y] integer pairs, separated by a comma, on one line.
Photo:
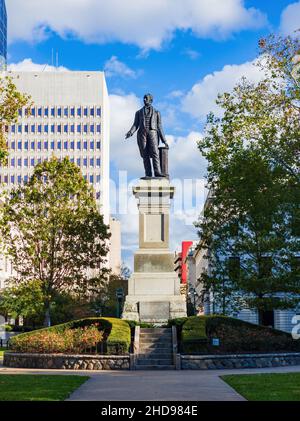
{"points": [[71, 341], [193, 335], [133, 324], [177, 322], [119, 339], [116, 334], [235, 336]]}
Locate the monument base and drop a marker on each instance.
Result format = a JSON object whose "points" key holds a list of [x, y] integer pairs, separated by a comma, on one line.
{"points": [[154, 298], [154, 288]]}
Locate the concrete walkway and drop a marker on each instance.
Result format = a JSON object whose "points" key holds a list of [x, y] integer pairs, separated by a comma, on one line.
{"points": [[154, 385]]}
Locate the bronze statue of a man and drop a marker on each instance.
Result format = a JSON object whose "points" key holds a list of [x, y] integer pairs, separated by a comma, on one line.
{"points": [[148, 123]]}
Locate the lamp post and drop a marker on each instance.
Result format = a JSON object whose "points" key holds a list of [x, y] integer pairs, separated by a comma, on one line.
{"points": [[120, 297], [193, 293]]}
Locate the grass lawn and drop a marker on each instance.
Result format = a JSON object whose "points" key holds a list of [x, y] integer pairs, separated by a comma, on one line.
{"points": [[1, 352], [38, 387], [266, 387]]}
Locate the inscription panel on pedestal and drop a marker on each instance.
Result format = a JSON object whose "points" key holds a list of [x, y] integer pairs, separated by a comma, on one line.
{"points": [[154, 228], [154, 311]]}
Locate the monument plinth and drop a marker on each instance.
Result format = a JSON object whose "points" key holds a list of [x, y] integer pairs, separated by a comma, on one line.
{"points": [[154, 288]]}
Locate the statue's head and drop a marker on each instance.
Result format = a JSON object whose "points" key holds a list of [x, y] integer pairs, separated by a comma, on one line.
{"points": [[148, 99]]}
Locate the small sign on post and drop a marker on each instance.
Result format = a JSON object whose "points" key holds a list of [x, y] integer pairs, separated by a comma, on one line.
{"points": [[215, 342]]}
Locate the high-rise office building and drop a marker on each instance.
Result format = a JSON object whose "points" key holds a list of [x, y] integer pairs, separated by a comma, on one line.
{"points": [[3, 35], [69, 118]]}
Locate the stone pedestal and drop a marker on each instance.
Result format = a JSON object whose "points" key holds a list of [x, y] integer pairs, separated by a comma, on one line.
{"points": [[154, 288]]}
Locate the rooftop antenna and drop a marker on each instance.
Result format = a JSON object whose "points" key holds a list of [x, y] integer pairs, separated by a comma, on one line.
{"points": [[45, 67], [52, 59], [57, 60]]}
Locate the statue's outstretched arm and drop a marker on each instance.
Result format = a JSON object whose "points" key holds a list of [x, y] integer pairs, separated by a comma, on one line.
{"points": [[134, 127]]}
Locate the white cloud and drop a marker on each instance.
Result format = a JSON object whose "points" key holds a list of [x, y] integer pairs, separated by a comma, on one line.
{"points": [[114, 67], [147, 24], [290, 19], [27, 65], [202, 97], [124, 153], [192, 54], [185, 158], [175, 94]]}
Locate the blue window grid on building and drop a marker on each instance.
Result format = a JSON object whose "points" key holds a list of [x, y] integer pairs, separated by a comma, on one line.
{"points": [[60, 111]]}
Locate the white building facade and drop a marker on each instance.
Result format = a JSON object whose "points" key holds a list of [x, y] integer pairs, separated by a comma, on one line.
{"points": [[69, 118]]}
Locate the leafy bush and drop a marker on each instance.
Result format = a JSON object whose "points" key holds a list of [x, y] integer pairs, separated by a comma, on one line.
{"points": [[119, 339], [116, 335], [193, 334], [133, 324], [8, 328], [20, 329], [235, 336], [74, 341], [177, 322]]}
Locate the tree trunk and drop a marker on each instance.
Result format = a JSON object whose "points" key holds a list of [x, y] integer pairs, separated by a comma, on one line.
{"points": [[47, 320]]}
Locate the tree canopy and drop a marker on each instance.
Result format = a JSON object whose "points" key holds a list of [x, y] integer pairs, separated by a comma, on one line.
{"points": [[53, 232], [251, 226], [11, 101]]}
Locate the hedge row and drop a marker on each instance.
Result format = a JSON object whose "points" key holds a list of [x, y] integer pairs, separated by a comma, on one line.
{"points": [[117, 333], [196, 336]]}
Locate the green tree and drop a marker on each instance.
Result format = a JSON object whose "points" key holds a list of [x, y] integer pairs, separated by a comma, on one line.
{"points": [[106, 302], [249, 228], [53, 232], [10, 103], [25, 300]]}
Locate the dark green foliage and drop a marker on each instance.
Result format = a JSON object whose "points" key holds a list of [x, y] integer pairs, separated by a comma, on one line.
{"points": [[250, 224], [117, 333], [11, 102], [236, 336], [193, 335], [106, 302], [133, 324], [177, 322]]}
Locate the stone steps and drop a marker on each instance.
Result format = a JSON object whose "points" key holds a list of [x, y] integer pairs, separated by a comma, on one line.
{"points": [[166, 355], [155, 330], [155, 361], [155, 350], [155, 367]]}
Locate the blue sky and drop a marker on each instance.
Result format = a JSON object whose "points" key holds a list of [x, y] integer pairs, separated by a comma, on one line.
{"points": [[175, 49]]}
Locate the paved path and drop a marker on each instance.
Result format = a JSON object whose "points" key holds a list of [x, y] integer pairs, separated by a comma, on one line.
{"points": [[154, 385]]}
